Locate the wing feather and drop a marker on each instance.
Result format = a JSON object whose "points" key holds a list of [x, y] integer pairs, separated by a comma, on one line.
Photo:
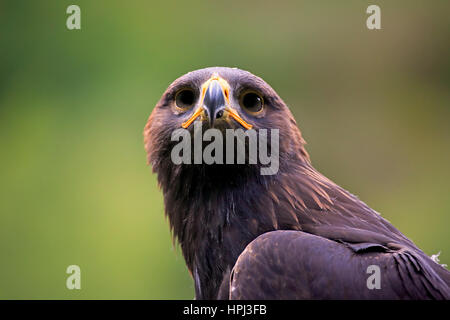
{"points": [[300, 265]]}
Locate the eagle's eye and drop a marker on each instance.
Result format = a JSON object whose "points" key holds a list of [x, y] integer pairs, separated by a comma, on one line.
{"points": [[185, 98], [251, 101]]}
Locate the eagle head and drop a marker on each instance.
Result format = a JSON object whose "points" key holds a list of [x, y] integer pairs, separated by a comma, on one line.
{"points": [[220, 98]]}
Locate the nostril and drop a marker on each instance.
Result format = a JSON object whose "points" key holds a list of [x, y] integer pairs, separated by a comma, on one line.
{"points": [[219, 114]]}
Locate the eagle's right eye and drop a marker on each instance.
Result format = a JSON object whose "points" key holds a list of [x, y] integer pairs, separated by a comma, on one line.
{"points": [[185, 98]]}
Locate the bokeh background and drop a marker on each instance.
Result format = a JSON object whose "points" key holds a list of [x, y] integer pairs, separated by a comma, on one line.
{"points": [[374, 107]]}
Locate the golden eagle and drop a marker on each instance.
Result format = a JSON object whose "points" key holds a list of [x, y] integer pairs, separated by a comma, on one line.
{"points": [[293, 234]]}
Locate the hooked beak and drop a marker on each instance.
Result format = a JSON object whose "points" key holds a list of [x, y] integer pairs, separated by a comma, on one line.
{"points": [[215, 103]]}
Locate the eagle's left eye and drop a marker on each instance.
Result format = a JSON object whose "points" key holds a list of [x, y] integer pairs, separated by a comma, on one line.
{"points": [[185, 98], [251, 101]]}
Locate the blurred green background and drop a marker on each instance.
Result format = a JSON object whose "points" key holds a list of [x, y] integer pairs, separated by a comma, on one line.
{"points": [[374, 107]]}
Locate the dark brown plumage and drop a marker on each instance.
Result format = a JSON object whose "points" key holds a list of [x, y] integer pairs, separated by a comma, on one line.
{"points": [[292, 235]]}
